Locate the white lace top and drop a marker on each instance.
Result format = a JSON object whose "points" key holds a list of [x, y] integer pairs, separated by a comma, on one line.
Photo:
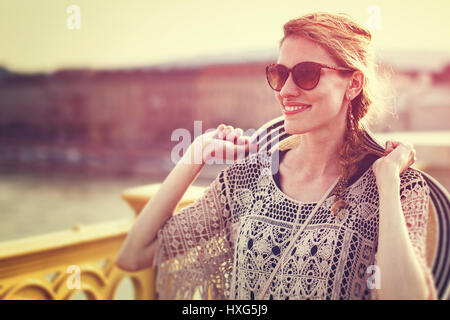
{"points": [[226, 244]]}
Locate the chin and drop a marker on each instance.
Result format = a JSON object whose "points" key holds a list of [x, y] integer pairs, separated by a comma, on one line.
{"points": [[295, 128]]}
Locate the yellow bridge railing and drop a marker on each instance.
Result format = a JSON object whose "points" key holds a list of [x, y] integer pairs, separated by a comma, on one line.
{"points": [[62, 264]]}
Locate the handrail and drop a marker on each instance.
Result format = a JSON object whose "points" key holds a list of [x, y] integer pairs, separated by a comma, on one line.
{"points": [[73, 259], [58, 265]]}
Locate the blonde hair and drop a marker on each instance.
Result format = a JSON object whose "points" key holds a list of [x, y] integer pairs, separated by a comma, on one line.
{"points": [[350, 45]]}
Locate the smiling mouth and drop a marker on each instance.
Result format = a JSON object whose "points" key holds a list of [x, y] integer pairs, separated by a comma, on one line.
{"points": [[295, 109]]}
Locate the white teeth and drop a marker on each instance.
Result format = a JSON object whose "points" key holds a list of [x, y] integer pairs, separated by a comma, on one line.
{"points": [[295, 108]]}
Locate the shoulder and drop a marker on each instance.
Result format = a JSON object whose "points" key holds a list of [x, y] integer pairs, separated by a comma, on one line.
{"points": [[251, 163], [412, 176], [411, 180], [364, 166], [247, 170]]}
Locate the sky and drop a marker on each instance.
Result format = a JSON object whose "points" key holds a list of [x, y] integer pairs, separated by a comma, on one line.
{"points": [[43, 35]]}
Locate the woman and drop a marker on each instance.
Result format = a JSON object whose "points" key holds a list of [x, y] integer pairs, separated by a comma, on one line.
{"points": [[336, 221]]}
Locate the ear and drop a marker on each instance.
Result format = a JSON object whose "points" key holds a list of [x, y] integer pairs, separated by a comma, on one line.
{"points": [[356, 84]]}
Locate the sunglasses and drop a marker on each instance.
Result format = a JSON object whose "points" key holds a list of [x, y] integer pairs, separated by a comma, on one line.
{"points": [[306, 75]]}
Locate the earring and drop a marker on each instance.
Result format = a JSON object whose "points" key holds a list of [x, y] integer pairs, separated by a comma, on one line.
{"points": [[351, 118]]}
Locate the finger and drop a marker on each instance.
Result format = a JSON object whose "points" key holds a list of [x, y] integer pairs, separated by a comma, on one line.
{"points": [[243, 140], [220, 150], [238, 132], [396, 144], [230, 135], [234, 135], [219, 131], [242, 151], [412, 161], [413, 156], [389, 147], [408, 149], [227, 131], [392, 145]]}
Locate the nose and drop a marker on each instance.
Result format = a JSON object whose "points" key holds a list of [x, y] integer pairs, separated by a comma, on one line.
{"points": [[289, 88]]}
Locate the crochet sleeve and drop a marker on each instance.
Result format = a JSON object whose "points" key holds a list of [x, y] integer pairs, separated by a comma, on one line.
{"points": [[415, 198], [193, 252]]}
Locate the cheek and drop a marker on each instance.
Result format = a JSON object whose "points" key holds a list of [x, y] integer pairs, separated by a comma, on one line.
{"points": [[321, 98], [330, 97], [278, 97], [337, 90], [327, 104]]}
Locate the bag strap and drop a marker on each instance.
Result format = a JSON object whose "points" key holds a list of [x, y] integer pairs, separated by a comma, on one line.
{"points": [[291, 244]]}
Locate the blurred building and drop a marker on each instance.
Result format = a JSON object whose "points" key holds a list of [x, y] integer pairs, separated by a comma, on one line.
{"points": [[119, 120]]}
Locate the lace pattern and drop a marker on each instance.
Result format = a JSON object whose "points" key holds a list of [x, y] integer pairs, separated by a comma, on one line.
{"points": [[226, 244], [414, 197], [193, 251]]}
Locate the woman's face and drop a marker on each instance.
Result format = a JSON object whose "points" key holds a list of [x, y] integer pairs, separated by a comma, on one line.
{"points": [[328, 105]]}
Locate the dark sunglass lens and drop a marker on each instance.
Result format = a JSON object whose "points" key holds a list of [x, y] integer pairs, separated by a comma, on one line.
{"points": [[276, 76], [306, 75]]}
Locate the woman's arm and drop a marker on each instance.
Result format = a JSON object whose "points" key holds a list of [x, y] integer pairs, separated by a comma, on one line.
{"points": [[401, 270], [402, 276], [138, 250], [139, 246]]}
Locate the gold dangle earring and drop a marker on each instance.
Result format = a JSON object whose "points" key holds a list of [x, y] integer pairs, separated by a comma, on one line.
{"points": [[351, 118]]}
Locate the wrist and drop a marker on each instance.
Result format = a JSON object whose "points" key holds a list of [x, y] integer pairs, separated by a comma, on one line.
{"points": [[388, 175], [196, 154]]}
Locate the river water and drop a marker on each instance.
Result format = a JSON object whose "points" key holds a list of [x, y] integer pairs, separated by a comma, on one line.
{"points": [[34, 203]]}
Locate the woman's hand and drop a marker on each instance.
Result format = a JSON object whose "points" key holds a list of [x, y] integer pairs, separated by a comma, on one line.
{"points": [[399, 157], [224, 143]]}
